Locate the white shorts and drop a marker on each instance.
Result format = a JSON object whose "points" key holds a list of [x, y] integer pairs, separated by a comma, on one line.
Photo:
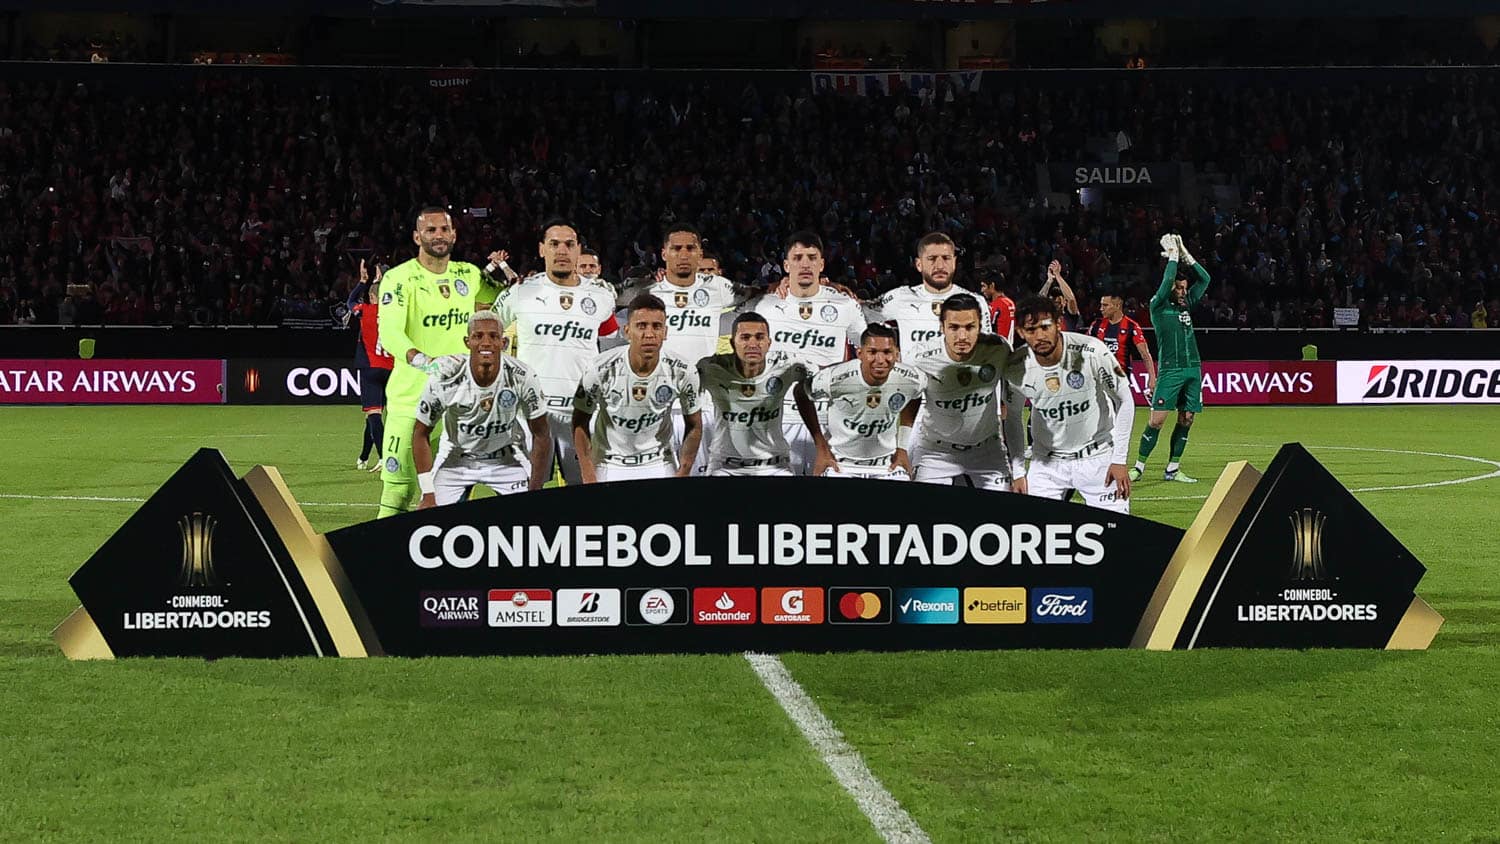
{"points": [[706, 413], [982, 466], [452, 484], [606, 473], [803, 452], [735, 467], [1058, 477], [878, 474]]}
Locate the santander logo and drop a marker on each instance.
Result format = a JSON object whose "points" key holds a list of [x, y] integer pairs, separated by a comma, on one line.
{"points": [[718, 605]]}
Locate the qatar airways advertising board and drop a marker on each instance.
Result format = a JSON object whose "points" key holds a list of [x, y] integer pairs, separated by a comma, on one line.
{"points": [[111, 381], [1272, 382]]}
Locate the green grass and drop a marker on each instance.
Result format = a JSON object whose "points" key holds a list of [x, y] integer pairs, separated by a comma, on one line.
{"points": [[1062, 746]]}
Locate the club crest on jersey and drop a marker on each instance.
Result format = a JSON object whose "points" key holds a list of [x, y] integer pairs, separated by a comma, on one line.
{"points": [[566, 300], [773, 384], [392, 465], [1075, 379], [679, 299], [987, 373], [663, 396], [446, 289], [804, 310], [1053, 383], [461, 286], [425, 408], [638, 392], [385, 298], [588, 306], [897, 401], [937, 307], [507, 399], [747, 390], [700, 298], [487, 403], [829, 313], [872, 400], [965, 377]]}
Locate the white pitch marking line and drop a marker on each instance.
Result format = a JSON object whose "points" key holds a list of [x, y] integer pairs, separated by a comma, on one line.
{"points": [[891, 822], [19, 497]]}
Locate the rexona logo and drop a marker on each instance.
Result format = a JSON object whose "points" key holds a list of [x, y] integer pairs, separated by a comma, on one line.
{"points": [[791, 605], [717, 605], [927, 606], [450, 609], [520, 608], [859, 605], [656, 607], [995, 605], [1062, 606], [588, 607]]}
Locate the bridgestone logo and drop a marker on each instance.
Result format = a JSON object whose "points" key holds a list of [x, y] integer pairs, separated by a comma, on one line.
{"points": [[1398, 382]]}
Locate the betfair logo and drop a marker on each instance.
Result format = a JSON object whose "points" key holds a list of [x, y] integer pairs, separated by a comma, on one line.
{"points": [[995, 605]]}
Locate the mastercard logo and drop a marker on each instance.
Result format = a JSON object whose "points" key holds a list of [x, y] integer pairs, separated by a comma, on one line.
{"points": [[860, 605]]}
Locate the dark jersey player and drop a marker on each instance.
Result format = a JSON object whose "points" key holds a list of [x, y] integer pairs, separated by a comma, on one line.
{"points": [[373, 362], [1122, 335]]}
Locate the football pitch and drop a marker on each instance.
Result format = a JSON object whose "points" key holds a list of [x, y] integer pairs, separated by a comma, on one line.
{"points": [[975, 746]]}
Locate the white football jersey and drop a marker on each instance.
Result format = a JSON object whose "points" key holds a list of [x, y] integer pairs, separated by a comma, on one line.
{"points": [[1073, 402], [861, 419], [557, 330], [483, 423], [958, 405], [748, 411], [914, 309], [697, 315], [818, 330], [632, 414]]}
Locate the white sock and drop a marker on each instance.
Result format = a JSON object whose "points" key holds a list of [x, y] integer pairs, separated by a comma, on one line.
{"points": [[1140, 465], [1172, 467]]}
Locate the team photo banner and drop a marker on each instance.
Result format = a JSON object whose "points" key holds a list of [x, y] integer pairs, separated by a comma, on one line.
{"points": [[213, 565], [67, 381]]}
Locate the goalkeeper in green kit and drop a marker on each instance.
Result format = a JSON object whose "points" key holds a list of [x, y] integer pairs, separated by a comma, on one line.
{"points": [[425, 304], [1179, 380]]}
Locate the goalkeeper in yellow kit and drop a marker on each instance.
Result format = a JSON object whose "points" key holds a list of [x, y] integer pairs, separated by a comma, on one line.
{"points": [[425, 304]]}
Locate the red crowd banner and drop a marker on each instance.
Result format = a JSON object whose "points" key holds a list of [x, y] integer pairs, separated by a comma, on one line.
{"points": [[111, 381], [1257, 382]]}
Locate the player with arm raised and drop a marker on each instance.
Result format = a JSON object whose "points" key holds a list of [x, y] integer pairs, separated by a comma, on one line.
{"points": [[425, 304], [479, 402], [748, 387], [813, 322], [1081, 410], [1062, 296], [960, 435], [1121, 335], [914, 309], [860, 403], [699, 306], [622, 426], [559, 319], [1179, 381]]}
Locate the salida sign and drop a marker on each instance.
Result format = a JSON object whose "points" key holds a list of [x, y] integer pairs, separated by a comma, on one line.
{"points": [[223, 567]]}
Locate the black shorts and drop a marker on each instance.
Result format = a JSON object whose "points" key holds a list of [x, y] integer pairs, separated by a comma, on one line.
{"points": [[372, 387]]}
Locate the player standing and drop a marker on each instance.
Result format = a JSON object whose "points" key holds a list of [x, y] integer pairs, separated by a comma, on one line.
{"points": [[1121, 334], [622, 408], [479, 402], [373, 362], [813, 322], [424, 314], [559, 318], [1179, 384], [960, 435], [914, 309], [860, 405], [1081, 411], [1002, 309], [748, 387]]}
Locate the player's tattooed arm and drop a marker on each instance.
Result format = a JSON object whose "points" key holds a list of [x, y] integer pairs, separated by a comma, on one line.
{"points": [[421, 458], [809, 413], [498, 260], [692, 438]]}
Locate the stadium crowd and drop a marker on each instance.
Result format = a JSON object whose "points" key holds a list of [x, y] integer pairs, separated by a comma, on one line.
{"points": [[242, 200]]}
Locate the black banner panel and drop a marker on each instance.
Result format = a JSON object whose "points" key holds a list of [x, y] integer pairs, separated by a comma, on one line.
{"points": [[215, 566]]}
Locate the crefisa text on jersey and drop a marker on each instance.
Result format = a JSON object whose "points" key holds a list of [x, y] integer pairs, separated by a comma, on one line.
{"points": [[780, 544]]}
